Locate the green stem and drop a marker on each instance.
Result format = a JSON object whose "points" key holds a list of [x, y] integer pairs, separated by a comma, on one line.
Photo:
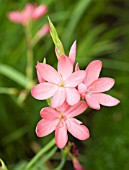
{"points": [[29, 67], [63, 160], [41, 152], [45, 158]]}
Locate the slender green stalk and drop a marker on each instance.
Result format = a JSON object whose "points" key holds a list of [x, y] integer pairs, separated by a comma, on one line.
{"points": [[63, 160], [29, 67], [41, 152], [45, 158]]}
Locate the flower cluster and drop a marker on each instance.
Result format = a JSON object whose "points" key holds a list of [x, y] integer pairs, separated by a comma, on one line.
{"points": [[70, 92], [30, 13]]}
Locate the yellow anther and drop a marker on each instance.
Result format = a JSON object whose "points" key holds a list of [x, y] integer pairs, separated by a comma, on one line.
{"points": [[62, 84]]}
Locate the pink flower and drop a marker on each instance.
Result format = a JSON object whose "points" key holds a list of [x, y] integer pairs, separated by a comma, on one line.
{"points": [[40, 79], [43, 31], [62, 120], [61, 85], [30, 12], [77, 67], [77, 165], [92, 87], [72, 53]]}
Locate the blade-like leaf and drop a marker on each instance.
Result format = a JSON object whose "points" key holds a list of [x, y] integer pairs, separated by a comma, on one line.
{"points": [[5, 90], [75, 16], [13, 74]]}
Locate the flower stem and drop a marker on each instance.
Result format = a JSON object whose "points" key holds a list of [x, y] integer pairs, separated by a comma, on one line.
{"points": [[29, 67], [63, 160], [46, 157], [41, 152]]}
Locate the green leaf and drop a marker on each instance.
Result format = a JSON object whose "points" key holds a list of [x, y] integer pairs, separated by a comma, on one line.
{"points": [[13, 74], [55, 38], [3, 166], [20, 165], [116, 65], [17, 134], [5, 90], [75, 16]]}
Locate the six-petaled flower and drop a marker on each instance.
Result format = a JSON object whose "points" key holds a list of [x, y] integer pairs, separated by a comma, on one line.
{"points": [[92, 87], [62, 120], [30, 12], [61, 85]]}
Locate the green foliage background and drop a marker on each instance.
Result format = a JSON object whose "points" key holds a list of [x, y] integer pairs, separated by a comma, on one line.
{"points": [[101, 28]]}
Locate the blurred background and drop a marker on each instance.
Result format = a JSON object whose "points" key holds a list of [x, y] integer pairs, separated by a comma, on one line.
{"points": [[101, 28]]}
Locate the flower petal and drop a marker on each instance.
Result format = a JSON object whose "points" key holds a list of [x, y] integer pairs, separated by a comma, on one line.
{"points": [[77, 165], [16, 17], [43, 91], [80, 132], [92, 72], [61, 135], [72, 53], [77, 67], [58, 98], [102, 85], [43, 31], [75, 79], [72, 96], [63, 108], [40, 79], [39, 11], [49, 113], [92, 102], [28, 11], [76, 109], [45, 127], [82, 89], [48, 73], [65, 67], [106, 100]]}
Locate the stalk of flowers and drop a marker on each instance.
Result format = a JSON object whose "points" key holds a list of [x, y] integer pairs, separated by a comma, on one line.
{"points": [[61, 87], [70, 92], [26, 17], [64, 88]]}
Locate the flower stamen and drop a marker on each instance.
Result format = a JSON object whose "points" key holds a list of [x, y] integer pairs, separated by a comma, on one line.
{"points": [[62, 84], [59, 120]]}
